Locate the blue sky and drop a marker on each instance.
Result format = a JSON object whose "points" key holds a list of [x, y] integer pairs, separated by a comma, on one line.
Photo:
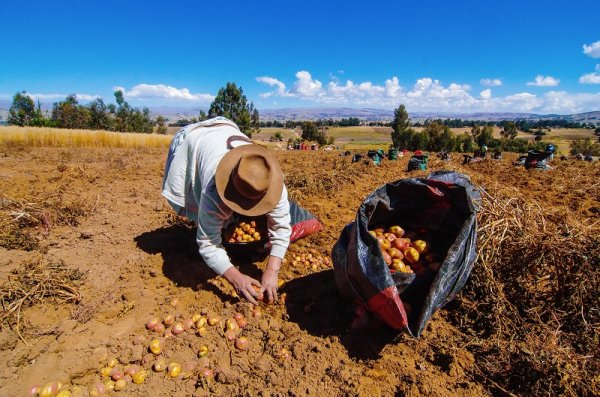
{"points": [[445, 56]]}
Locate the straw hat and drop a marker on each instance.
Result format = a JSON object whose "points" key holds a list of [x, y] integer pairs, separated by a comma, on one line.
{"points": [[249, 180]]}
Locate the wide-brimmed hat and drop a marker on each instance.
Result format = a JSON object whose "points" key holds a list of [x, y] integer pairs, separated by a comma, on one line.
{"points": [[249, 180]]}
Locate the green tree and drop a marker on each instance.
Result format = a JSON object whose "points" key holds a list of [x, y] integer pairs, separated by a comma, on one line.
{"points": [[254, 119], [475, 131], [161, 128], [22, 110], [99, 115], [467, 143], [434, 131], [309, 130], [121, 112], [231, 102], [446, 140], [486, 136], [586, 146], [278, 136], [401, 132], [38, 117], [140, 121], [312, 132], [128, 119], [418, 141], [202, 116], [321, 137], [509, 131], [69, 114]]}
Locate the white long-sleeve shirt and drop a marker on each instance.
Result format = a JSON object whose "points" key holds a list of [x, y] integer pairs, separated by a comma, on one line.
{"points": [[189, 186]]}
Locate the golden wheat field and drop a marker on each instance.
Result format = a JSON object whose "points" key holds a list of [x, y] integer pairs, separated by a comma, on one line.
{"points": [[90, 253]]}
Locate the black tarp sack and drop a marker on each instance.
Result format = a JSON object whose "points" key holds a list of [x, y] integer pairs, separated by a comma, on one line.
{"points": [[444, 204], [537, 159], [417, 162], [376, 156], [303, 223], [356, 158]]}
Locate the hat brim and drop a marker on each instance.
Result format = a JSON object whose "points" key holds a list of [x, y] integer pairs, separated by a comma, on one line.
{"points": [[230, 195]]}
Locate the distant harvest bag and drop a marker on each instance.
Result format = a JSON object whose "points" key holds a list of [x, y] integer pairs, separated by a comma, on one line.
{"points": [[445, 205]]}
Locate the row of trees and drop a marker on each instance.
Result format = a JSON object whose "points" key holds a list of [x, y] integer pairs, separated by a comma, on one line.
{"points": [[96, 115], [536, 127], [522, 125], [291, 124], [436, 137], [230, 102]]}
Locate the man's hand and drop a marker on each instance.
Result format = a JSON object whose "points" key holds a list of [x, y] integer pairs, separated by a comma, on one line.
{"points": [[242, 284], [269, 284], [270, 278]]}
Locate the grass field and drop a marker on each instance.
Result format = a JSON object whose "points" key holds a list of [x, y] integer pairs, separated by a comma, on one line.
{"points": [[56, 137], [364, 138], [267, 133], [346, 138]]}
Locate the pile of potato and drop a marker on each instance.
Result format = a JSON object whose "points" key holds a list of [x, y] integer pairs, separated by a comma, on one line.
{"points": [[118, 376], [406, 252], [311, 259], [245, 232]]}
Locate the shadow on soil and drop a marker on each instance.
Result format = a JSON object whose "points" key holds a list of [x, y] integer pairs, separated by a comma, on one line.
{"points": [[315, 304], [313, 301], [182, 263]]}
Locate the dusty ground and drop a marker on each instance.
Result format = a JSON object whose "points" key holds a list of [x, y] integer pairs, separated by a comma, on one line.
{"points": [[137, 257]]}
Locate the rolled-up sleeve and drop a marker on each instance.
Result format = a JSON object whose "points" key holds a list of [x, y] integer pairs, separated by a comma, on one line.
{"points": [[280, 230]]}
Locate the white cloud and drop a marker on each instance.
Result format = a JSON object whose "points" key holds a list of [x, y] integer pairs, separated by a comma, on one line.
{"points": [[392, 87], [427, 94], [153, 91], [486, 94], [544, 81], [592, 50], [49, 97], [564, 102], [272, 82], [523, 101], [491, 82], [591, 78], [305, 86], [558, 101], [367, 93]]}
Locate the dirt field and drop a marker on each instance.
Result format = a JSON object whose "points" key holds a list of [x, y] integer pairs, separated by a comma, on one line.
{"points": [[99, 211]]}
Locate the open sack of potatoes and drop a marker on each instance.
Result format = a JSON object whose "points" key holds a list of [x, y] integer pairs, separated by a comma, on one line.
{"points": [[410, 249]]}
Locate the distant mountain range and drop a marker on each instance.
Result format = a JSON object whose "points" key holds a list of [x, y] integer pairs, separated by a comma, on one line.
{"points": [[369, 114], [387, 115], [173, 113]]}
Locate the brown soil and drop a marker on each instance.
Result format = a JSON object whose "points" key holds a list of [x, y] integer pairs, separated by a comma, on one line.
{"points": [[137, 256]]}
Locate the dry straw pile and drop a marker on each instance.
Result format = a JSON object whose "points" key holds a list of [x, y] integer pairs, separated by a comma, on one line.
{"points": [[533, 303], [36, 282], [21, 220]]}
